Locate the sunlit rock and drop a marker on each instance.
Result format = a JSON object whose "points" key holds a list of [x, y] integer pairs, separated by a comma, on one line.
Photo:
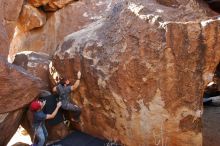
{"points": [[9, 12], [31, 18], [69, 19], [144, 68]]}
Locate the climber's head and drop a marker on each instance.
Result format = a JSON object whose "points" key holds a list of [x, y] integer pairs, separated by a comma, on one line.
{"points": [[37, 105], [64, 81]]}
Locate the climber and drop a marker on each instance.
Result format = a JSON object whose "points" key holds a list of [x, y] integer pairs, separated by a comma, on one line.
{"points": [[212, 94], [39, 118], [63, 89]]}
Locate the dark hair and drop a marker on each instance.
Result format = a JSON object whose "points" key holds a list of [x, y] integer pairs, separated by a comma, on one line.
{"points": [[62, 80]]}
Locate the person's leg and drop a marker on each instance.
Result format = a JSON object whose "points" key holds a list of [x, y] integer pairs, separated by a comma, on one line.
{"points": [[72, 107], [77, 113], [40, 136], [45, 132]]}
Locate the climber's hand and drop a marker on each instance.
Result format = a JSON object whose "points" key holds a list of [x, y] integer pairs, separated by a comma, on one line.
{"points": [[59, 104], [79, 75]]}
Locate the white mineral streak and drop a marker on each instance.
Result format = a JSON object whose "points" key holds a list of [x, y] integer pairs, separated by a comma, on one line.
{"points": [[80, 37], [2, 117], [152, 18]]}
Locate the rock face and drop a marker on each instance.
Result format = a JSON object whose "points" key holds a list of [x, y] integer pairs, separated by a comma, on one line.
{"points": [[9, 12], [4, 41], [9, 123], [18, 88], [54, 5], [38, 3], [35, 63], [144, 69], [46, 39], [58, 131], [26, 122], [31, 18]]}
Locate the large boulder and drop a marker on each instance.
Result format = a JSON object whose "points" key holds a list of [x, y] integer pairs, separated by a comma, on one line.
{"points": [[71, 18], [31, 18], [36, 63], [144, 69], [18, 88], [9, 12], [9, 123]]}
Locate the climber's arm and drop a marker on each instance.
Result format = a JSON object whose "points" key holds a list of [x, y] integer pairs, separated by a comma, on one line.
{"points": [[76, 84], [55, 89], [51, 116]]}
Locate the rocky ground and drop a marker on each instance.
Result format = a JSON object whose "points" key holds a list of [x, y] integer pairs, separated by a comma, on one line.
{"points": [[211, 128]]}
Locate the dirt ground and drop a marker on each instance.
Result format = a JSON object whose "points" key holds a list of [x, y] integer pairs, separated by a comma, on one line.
{"points": [[211, 126]]}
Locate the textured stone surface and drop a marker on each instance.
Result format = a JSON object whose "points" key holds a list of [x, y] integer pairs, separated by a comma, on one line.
{"points": [[9, 123], [18, 88], [144, 69], [4, 45], [57, 4], [59, 24], [35, 63], [57, 132], [20, 144], [38, 3], [27, 121], [31, 18], [9, 12], [211, 127]]}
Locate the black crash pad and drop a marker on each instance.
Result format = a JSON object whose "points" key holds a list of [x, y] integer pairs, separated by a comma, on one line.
{"points": [[77, 138]]}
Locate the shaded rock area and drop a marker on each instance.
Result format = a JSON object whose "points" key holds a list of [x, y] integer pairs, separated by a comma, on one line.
{"points": [[119, 57], [211, 117], [36, 63], [217, 77], [214, 5], [9, 123], [26, 122], [211, 114], [18, 87], [58, 131], [72, 18]]}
